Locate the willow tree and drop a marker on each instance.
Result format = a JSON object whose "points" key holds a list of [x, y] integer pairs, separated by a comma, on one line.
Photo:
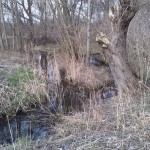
{"points": [[114, 48]]}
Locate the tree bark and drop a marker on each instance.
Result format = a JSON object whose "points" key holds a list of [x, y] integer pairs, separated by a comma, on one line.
{"points": [[123, 77], [42, 5], [13, 26], [4, 27], [116, 54], [1, 39], [31, 25], [28, 11], [88, 31]]}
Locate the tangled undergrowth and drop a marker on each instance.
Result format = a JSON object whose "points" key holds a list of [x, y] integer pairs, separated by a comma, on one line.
{"points": [[122, 123], [119, 124]]}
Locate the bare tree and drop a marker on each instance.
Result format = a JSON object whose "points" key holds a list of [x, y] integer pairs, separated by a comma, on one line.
{"points": [[66, 21], [42, 5], [28, 10], [88, 30], [115, 49], [18, 30], [1, 40], [3, 27]]}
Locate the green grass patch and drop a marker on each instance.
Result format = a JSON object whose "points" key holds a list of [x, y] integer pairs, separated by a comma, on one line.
{"points": [[20, 76], [24, 88]]}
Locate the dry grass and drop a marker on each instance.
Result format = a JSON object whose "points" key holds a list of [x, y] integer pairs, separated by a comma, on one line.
{"points": [[79, 72], [123, 123], [12, 55], [20, 85], [30, 92]]}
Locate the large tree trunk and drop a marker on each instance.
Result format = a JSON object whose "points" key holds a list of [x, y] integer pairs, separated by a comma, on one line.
{"points": [[115, 50], [120, 69]]}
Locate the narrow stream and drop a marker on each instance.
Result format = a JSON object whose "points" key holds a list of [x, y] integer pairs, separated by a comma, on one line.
{"points": [[32, 125]]}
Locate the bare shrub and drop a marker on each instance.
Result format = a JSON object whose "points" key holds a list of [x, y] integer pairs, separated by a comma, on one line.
{"points": [[79, 72]]}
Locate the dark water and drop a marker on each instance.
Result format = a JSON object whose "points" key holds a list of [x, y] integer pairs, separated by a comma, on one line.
{"points": [[32, 125]]}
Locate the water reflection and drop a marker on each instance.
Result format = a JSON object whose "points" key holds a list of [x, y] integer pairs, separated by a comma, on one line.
{"points": [[26, 126]]}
